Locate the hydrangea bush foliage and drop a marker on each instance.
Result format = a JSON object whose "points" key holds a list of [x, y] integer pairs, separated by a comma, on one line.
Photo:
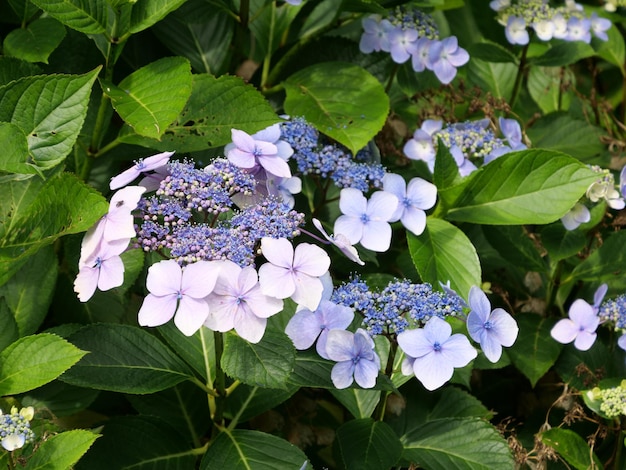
{"points": [[312, 234]]}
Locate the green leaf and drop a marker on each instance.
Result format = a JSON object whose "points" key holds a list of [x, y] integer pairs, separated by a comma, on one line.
{"points": [[360, 403], [35, 360], [150, 99], [613, 50], [138, 442], [351, 108], [468, 443], [514, 245], [124, 359], [535, 351], [247, 402], [564, 53], [197, 350], [35, 214], [184, 407], [59, 398], [241, 449], [61, 451], [582, 369], [50, 110], [199, 32], [29, 292], [551, 88], [573, 448], [498, 78], [86, 16], [8, 326], [367, 444], [560, 131], [17, 158], [24, 9], [311, 370], [606, 262], [560, 242], [36, 42], [446, 171], [14, 69], [264, 364], [216, 106], [527, 187], [491, 52], [145, 13], [444, 253]]}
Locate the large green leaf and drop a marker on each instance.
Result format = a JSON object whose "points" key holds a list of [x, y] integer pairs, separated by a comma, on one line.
{"points": [[86, 16], [247, 402], [35, 42], [17, 158], [13, 69], [607, 262], [199, 32], [150, 99], [526, 187], [491, 52], [197, 350], [61, 451], [534, 351], [367, 444], [24, 9], [515, 245], [613, 50], [29, 292], [562, 132], [560, 242], [573, 448], [444, 253], [360, 403], [216, 106], [59, 398], [139, 442], [34, 214], [50, 110], [497, 78], [351, 108], [9, 331], [124, 359], [550, 88], [264, 364], [241, 449], [35, 360], [564, 53], [145, 13], [467, 443]]}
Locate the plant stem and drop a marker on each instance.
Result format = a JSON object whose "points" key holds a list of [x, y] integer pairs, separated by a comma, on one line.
{"points": [[270, 44], [518, 78], [220, 381]]}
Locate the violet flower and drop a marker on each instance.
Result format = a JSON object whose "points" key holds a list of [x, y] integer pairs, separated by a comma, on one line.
{"points": [[413, 200], [142, 165], [580, 327], [356, 359]]}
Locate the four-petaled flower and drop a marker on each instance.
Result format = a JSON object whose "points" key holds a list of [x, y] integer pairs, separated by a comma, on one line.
{"points": [[580, 327], [413, 200], [341, 242], [237, 302], [293, 273], [142, 165], [433, 353], [356, 359], [263, 149], [491, 329], [306, 326], [178, 291], [102, 269], [364, 221]]}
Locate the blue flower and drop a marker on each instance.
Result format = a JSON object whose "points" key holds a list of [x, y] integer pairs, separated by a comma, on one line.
{"points": [[491, 329], [580, 327], [356, 359], [433, 352]]}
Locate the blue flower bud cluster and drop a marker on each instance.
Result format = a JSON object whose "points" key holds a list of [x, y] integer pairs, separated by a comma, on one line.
{"points": [[614, 311], [406, 17], [316, 154], [400, 305], [15, 424], [193, 218]]}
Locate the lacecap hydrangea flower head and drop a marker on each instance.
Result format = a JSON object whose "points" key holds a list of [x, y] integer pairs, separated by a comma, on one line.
{"points": [[15, 429]]}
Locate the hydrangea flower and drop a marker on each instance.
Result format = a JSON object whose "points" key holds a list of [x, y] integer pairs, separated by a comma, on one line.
{"points": [[15, 429], [413, 200], [356, 358], [180, 293], [341, 242], [293, 273], [143, 165], [445, 56], [237, 302], [103, 269], [249, 152], [580, 327], [515, 31], [491, 329], [306, 326], [433, 352], [577, 215], [364, 221]]}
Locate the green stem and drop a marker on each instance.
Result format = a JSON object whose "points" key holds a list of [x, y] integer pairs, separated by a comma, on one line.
{"points": [[244, 13], [553, 286], [270, 44], [393, 74], [518, 78], [107, 148], [220, 381]]}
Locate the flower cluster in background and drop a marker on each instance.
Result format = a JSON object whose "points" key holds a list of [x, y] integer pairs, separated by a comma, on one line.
{"points": [[15, 429], [613, 5], [471, 143], [567, 22], [408, 33], [613, 399]]}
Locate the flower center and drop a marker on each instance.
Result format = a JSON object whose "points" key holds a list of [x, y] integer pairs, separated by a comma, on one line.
{"points": [[437, 346]]}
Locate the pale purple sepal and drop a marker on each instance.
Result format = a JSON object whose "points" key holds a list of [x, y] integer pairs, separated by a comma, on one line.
{"points": [[580, 327], [356, 359]]}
